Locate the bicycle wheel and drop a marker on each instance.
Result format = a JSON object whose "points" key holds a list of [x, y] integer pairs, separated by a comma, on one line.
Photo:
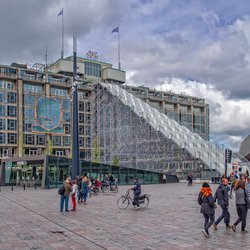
{"points": [[122, 202], [144, 203]]}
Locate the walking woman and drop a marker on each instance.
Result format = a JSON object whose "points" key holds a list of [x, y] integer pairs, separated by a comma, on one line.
{"points": [[241, 200], [206, 201]]}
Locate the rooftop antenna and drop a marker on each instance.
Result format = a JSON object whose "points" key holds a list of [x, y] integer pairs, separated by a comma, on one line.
{"points": [[46, 57]]}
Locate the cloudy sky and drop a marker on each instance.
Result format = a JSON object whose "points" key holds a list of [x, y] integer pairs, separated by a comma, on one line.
{"points": [[196, 47]]}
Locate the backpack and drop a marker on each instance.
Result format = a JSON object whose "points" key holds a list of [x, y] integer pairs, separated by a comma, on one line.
{"points": [[61, 190]]}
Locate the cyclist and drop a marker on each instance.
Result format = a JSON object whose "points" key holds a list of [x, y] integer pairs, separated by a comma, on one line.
{"points": [[137, 192]]}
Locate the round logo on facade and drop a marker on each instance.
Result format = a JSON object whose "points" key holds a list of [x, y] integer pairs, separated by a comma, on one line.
{"points": [[48, 113]]}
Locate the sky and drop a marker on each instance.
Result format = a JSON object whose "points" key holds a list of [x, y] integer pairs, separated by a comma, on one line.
{"points": [[195, 47]]}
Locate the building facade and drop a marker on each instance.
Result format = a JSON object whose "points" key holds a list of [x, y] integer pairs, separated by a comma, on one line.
{"points": [[36, 110]]}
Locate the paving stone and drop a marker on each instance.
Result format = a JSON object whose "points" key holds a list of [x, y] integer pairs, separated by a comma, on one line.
{"points": [[31, 219]]}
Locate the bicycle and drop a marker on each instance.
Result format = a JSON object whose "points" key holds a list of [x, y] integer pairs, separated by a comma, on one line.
{"points": [[124, 201]]}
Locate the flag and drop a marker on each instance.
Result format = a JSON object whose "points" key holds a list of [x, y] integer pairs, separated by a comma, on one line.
{"points": [[60, 13], [115, 29]]}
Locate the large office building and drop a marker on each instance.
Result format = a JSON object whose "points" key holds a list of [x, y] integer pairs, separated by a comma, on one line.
{"points": [[36, 118]]}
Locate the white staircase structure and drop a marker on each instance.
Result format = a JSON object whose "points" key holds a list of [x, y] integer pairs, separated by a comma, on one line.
{"points": [[209, 153]]}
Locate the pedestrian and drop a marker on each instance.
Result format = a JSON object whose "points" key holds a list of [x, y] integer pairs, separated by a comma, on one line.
{"points": [[137, 192], [79, 185], [74, 195], [85, 188], [164, 178], [221, 195], [241, 201], [65, 196], [232, 180], [206, 201], [190, 179]]}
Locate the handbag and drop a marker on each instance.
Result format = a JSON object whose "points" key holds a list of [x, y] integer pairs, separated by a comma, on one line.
{"points": [[247, 200]]}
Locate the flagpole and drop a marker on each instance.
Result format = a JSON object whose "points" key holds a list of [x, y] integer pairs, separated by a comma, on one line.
{"points": [[62, 36], [119, 62]]}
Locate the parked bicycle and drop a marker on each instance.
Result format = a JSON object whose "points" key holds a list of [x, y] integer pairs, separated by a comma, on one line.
{"points": [[124, 201]]}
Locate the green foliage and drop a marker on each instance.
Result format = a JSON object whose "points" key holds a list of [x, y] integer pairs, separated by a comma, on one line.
{"points": [[96, 150]]}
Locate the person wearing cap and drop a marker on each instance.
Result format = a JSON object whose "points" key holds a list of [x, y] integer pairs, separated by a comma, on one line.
{"points": [[137, 192], [206, 201]]}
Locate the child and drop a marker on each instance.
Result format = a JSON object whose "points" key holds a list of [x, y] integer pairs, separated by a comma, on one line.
{"points": [[73, 195]]}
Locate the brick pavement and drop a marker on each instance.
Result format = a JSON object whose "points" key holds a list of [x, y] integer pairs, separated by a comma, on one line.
{"points": [[31, 219]]}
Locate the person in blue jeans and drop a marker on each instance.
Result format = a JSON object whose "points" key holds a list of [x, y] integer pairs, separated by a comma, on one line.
{"points": [[65, 196], [85, 189], [137, 192]]}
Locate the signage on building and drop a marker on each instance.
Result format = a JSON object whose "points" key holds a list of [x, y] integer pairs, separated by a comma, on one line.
{"points": [[48, 116], [92, 55]]}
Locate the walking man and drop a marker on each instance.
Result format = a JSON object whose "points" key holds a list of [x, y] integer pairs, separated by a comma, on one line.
{"points": [[222, 196]]}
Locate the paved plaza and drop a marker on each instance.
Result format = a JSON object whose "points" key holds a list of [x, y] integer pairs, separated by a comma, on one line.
{"points": [[31, 219]]}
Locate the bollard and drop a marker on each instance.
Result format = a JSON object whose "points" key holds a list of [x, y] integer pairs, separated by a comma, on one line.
{"points": [[12, 188], [24, 186], [0, 189], [35, 186]]}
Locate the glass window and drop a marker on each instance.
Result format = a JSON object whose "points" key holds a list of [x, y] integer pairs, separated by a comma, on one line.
{"points": [[66, 104], [81, 129], [92, 69], [12, 138], [33, 88], [29, 139], [57, 140], [11, 111], [81, 117], [87, 106], [27, 126], [2, 124], [2, 138], [67, 128], [2, 110], [66, 117], [40, 139], [81, 106], [12, 124], [7, 84], [58, 92], [12, 97], [29, 112], [87, 118], [66, 141], [88, 142], [81, 141], [2, 97], [29, 100]]}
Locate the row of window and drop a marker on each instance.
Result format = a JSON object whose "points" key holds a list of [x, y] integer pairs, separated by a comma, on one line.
{"points": [[6, 110], [10, 138], [84, 106], [8, 97], [5, 84], [8, 124], [92, 69]]}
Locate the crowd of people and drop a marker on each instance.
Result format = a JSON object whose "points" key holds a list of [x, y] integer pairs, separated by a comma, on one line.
{"points": [[241, 187], [81, 188]]}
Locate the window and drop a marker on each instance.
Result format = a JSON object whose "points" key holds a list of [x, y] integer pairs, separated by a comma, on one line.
{"points": [[66, 117], [29, 113], [66, 104], [2, 138], [59, 153], [27, 126], [66, 141], [87, 118], [29, 139], [2, 124], [92, 69], [57, 140], [67, 128], [6, 85], [12, 97], [11, 111], [58, 92], [12, 125], [88, 130], [12, 138], [29, 100], [88, 142], [81, 106], [81, 117], [87, 106], [40, 139], [33, 88], [81, 129], [81, 141], [2, 110], [2, 96]]}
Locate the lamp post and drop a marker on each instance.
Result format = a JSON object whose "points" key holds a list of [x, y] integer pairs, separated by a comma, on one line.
{"points": [[75, 130]]}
